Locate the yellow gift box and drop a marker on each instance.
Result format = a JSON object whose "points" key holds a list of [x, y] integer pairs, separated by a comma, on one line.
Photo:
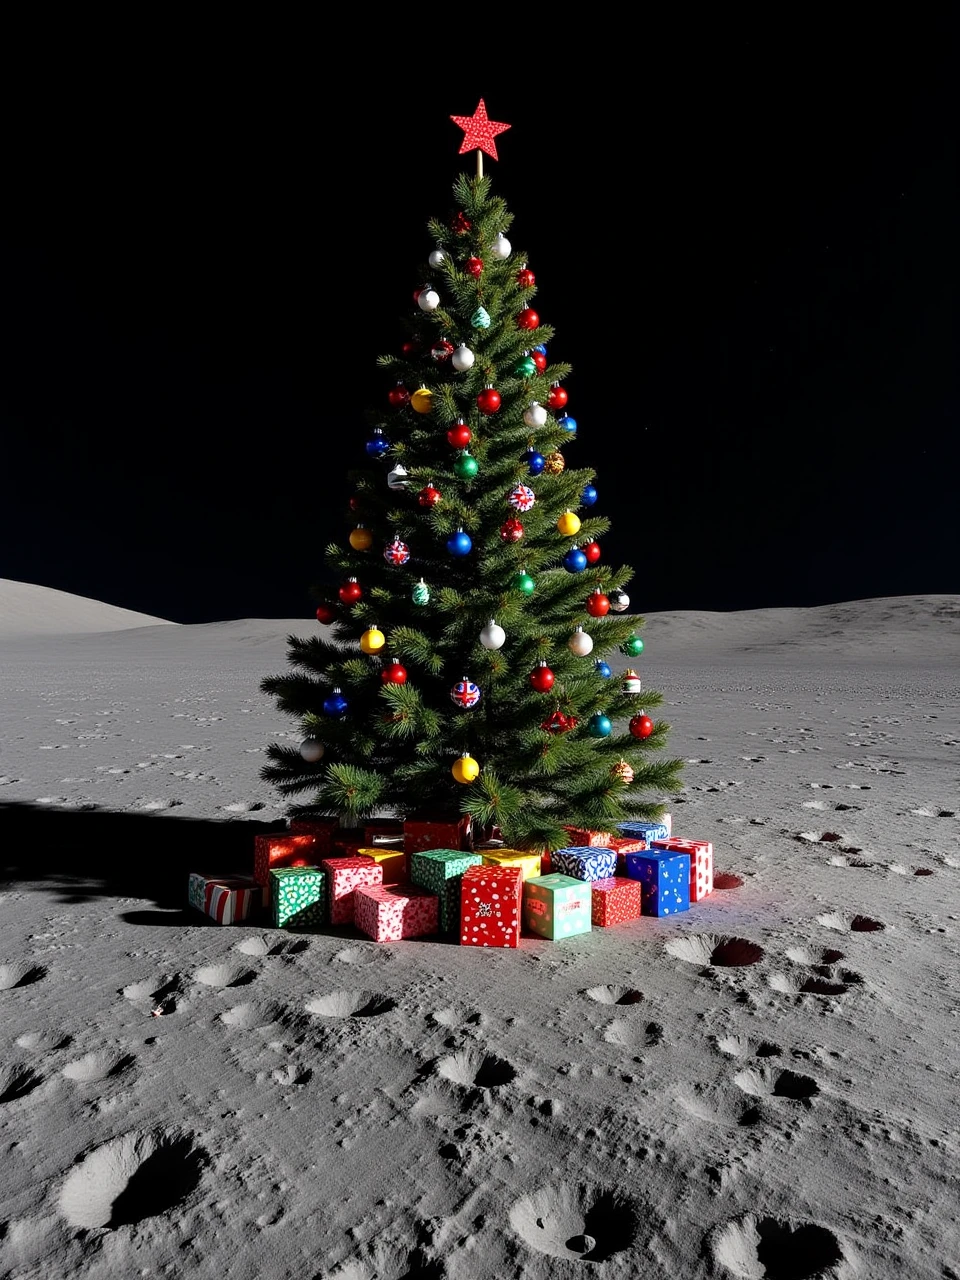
{"points": [[393, 861], [529, 863]]}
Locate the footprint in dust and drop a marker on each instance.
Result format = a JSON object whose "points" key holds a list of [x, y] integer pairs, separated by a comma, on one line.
{"points": [[842, 922], [752, 1247], [20, 973], [581, 1223]]}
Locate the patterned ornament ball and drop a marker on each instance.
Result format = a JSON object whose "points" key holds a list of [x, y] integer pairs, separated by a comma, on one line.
{"points": [[465, 694], [488, 401], [378, 444], [463, 358], [641, 726], [326, 613], [361, 539], [511, 530], [480, 318], [311, 750], [589, 495], [566, 422], [542, 678], [493, 636], [501, 248], [535, 416], [372, 640], [465, 770], [420, 595], [523, 583], [632, 646], [395, 673], [592, 551], [428, 299], [600, 726], [554, 463], [619, 601], [557, 397], [442, 350], [526, 366], [580, 643], [398, 478], [396, 552], [631, 682], [521, 497], [398, 396], [598, 605], [558, 722], [535, 462], [602, 669], [460, 543], [540, 360], [465, 466], [575, 561], [350, 592], [422, 400], [568, 524], [459, 435], [525, 278], [527, 319], [335, 704], [475, 267], [623, 772], [428, 496]]}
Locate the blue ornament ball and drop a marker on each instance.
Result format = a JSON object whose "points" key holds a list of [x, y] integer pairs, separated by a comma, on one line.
{"points": [[600, 726], [460, 544], [569, 424], [574, 561], [535, 462], [378, 444], [541, 347], [335, 705], [589, 496], [602, 669]]}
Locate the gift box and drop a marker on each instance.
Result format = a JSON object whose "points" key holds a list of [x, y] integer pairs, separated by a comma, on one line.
{"points": [[665, 878], [281, 850], [615, 901], [383, 830], [226, 899], [388, 913], [298, 897], [583, 838], [622, 847], [556, 906], [490, 898], [393, 861], [440, 871], [701, 863], [344, 875], [529, 863], [322, 828], [648, 831], [584, 863], [422, 834]]}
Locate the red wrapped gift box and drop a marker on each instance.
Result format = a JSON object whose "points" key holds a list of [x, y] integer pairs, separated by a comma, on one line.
{"points": [[387, 913], [422, 834], [624, 846], [281, 850], [579, 836], [616, 900], [345, 875], [701, 863], [490, 906]]}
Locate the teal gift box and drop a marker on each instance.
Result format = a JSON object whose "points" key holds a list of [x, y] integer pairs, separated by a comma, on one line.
{"points": [[298, 897], [441, 871], [557, 906]]}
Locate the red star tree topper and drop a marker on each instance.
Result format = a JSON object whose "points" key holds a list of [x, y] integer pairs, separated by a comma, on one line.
{"points": [[479, 133]]}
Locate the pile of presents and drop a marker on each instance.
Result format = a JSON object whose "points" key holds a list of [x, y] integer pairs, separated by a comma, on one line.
{"points": [[394, 880]]}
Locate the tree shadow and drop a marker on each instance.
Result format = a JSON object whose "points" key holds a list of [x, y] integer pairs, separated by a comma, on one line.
{"points": [[85, 854]]}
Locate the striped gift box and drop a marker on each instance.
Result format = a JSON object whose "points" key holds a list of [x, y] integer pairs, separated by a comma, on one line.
{"points": [[231, 901]]}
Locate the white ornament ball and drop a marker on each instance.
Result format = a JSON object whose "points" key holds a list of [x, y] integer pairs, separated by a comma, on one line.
{"points": [[462, 359], [619, 601], [580, 643], [428, 299], [397, 478], [437, 258], [311, 750], [501, 247], [493, 636], [535, 415]]}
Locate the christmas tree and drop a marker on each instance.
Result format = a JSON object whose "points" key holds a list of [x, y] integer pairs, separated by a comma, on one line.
{"points": [[463, 666]]}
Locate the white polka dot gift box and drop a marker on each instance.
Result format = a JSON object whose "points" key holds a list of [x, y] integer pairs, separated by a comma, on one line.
{"points": [[665, 877], [490, 899], [701, 863]]}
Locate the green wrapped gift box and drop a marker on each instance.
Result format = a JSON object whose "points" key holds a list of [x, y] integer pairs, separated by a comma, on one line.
{"points": [[441, 871], [298, 897]]}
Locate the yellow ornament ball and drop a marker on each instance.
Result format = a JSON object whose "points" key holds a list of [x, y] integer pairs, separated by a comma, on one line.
{"points": [[465, 769], [568, 524], [554, 463], [422, 400], [361, 539], [372, 640]]}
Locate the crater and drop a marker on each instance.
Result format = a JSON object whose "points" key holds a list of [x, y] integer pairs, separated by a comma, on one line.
{"points": [[350, 1004], [139, 1175], [476, 1069], [43, 1041], [17, 1082], [614, 995], [755, 1248], [803, 955], [844, 923], [727, 880], [769, 1082], [98, 1065], [224, 975], [20, 973], [248, 1016], [714, 949], [582, 1223]]}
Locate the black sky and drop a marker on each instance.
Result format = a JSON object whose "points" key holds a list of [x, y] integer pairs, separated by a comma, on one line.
{"points": [[745, 240]]}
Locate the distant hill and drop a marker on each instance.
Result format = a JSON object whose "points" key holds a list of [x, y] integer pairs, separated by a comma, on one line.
{"points": [[27, 611]]}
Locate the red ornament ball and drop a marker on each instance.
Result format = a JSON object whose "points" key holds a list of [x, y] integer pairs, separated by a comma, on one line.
{"points": [[460, 224], [442, 350], [428, 496], [540, 360], [350, 592], [542, 678], [598, 605], [641, 726], [488, 401], [398, 396], [395, 673], [525, 278], [557, 722], [459, 435], [511, 530], [325, 613], [410, 348], [557, 397], [592, 551], [475, 267], [355, 504], [528, 319]]}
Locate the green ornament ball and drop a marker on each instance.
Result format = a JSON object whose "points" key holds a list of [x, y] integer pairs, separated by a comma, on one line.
{"points": [[525, 368], [466, 466], [632, 647], [480, 319], [524, 583], [420, 593], [600, 726]]}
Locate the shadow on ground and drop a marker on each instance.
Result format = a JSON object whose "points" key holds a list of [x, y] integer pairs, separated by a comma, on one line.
{"points": [[88, 853]]}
